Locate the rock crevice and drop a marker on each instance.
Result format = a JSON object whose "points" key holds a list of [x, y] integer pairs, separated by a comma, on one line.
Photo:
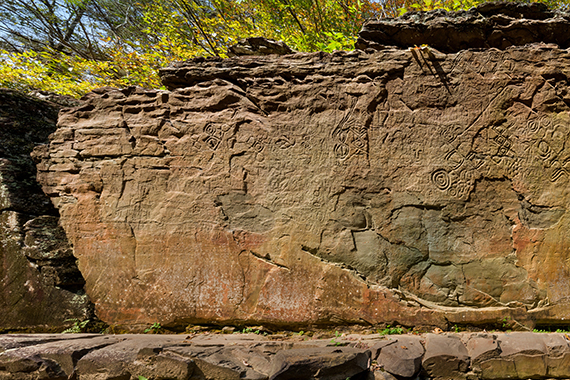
{"points": [[42, 287]]}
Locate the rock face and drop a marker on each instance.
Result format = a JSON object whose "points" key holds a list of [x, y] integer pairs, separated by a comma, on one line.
{"points": [[406, 186], [40, 284]]}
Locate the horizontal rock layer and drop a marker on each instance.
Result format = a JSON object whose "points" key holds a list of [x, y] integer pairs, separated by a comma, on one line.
{"points": [[255, 357], [489, 25], [363, 187]]}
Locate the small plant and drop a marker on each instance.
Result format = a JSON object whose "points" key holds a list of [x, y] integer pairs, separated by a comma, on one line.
{"points": [[455, 328], [78, 326], [250, 330], [544, 331], [154, 328], [334, 340], [142, 378], [391, 331], [506, 323]]}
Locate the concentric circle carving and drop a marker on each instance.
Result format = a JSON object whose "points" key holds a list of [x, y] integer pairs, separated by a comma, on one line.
{"points": [[440, 179]]}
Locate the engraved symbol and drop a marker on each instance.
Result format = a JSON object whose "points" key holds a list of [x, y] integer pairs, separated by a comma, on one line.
{"points": [[453, 191], [477, 162], [503, 150], [210, 130], [418, 152], [257, 146], [556, 174], [448, 133], [533, 126], [457, 190], [212, 142], [214, 134], [502, 141], [509, 65], [340, 134], [285, 142], [359, 143], [455, 158], [545, 121], [341, 150], [441, 180], [466, 176], [350, 137], [544, 150], [559, 170]]}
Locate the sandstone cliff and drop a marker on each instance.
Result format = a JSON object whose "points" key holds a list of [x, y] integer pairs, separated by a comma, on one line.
{"points": [[416, 186], [40, 284]]}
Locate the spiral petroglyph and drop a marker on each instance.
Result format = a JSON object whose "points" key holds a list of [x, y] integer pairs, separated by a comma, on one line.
{"points": [[440, 179]]}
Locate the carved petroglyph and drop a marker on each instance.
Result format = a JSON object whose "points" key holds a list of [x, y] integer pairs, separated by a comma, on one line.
{"points": [[514, 147], [455, 159], [503, 142], [441, 180], [350, 136], [214, 134], [285, 142]]}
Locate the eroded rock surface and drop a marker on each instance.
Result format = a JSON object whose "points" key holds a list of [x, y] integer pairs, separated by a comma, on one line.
{"points": [[489, 25], [361, 187], [40, 285], [257, 357]]}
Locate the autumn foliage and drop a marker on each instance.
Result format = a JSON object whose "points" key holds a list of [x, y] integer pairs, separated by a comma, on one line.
{"points": [[73, 46]]}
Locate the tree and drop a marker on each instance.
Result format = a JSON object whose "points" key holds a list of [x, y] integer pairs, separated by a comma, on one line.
{"points": [[39, 25], [72, 46]]}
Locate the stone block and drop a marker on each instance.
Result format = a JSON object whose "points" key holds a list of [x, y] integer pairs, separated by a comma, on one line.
{"points": [[331, 363], [445, 357], [481, 347], [403, 358]]}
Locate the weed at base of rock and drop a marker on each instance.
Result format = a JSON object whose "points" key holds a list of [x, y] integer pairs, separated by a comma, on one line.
{"points": [[154, 329], [335, 342], [391, 331], [78, 326]]}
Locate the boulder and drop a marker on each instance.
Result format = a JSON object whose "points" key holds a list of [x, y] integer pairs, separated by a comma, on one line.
{"points": [[481, 347], [523, 355], [259, 46], [217, 357], [217, 362], [413, 186], [134, 355], [558, 360], [52, 360]]}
